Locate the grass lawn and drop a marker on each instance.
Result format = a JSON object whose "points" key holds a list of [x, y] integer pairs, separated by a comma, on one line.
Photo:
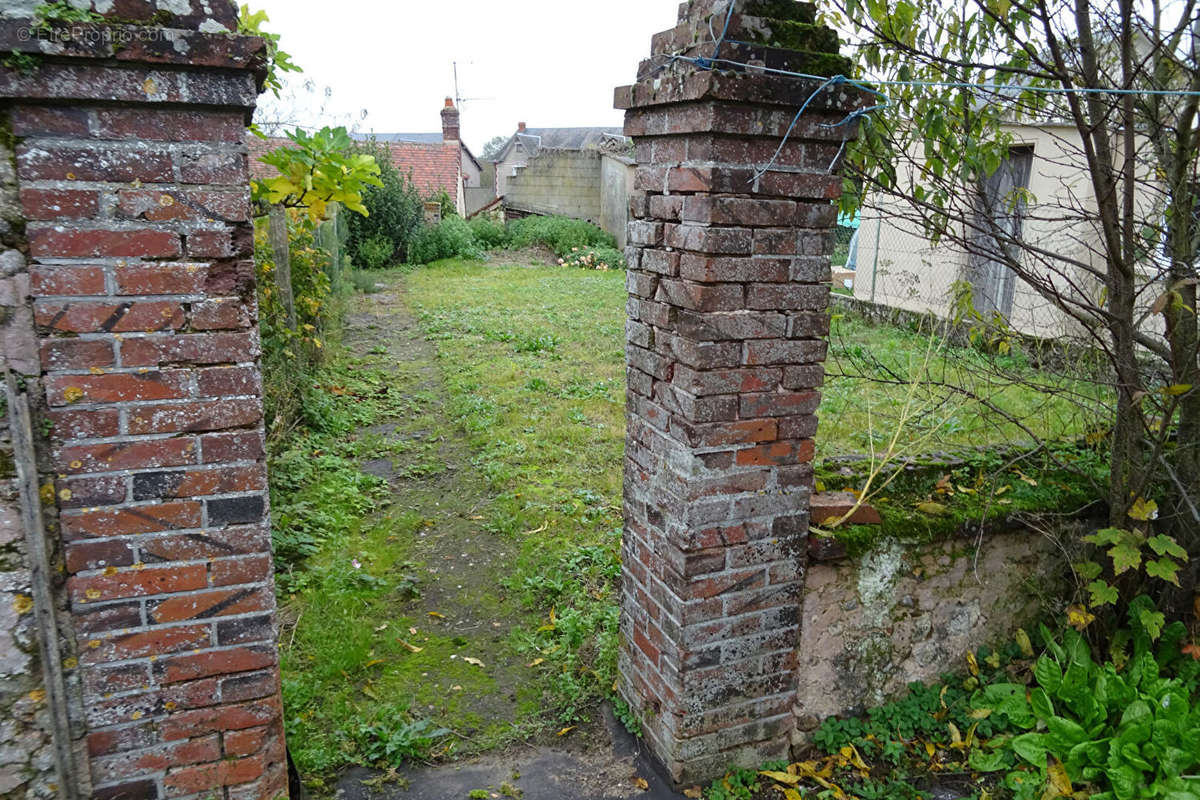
{"points": [[488, 401]]}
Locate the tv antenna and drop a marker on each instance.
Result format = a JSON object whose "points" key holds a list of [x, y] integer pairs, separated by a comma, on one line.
{"points": [[459, 100]]}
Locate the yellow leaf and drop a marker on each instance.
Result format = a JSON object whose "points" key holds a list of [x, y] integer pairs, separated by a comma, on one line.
{"points": [[956, 739], [972, 664], [1143, 510], [473, 661], [373, 662], [851, 754], [640, 783], [412, 648], [930, 749], [369, 692], [1003, 489], [1024, 643], [1058, 783], [436, 615], [781, 777], [981, 713], [536, 662], [789, 794], [971, 735], [566, 730], [1079, 618], [1178, 389], [695, 793]]}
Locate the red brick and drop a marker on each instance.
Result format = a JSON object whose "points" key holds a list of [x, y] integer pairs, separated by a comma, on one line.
{"points": [[229, 169], [118, 387], [779, 404], [180, 515], [826, 506], [48, 281], [51, 204], [229, 382], [250, 686], [208, 605], [77, 354], [194, 666], [101, 743], [100, 243], [61, 163], [200, 348], [109, 317], [153, 642], [49, 121], [100, 490], [169, 205], [83, 556], [106, 680], [198, 483], [250, 539], [105, 617], [196, 416], [143, 279], [80, 424], [158, 759], [215, 315], [117, 456], [220, 448], [776, 454], [211, 244], [206, 777], [246, 569], [137, 583], [244, 743], [170, 125]]}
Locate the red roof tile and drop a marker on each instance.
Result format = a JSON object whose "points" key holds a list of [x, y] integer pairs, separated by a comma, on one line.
{"points": [[432, 166]]}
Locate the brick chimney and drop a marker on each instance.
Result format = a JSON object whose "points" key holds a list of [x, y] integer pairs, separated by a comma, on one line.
{"points": [[520, 127], [449, 121]]}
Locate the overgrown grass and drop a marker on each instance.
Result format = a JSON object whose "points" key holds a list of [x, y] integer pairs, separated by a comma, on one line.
{"points": [[533, 360]]}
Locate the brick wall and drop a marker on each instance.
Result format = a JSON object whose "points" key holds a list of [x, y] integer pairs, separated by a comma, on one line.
{"points": [[728, 287], [132, 174]]}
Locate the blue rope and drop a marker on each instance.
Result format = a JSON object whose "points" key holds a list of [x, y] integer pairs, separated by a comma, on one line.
{"points": [[710, 63]]}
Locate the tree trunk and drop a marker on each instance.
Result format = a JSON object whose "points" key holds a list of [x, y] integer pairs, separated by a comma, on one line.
{"points": [[278, 235]]}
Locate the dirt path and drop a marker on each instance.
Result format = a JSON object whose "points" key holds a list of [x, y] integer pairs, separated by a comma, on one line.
{"points": [[459, 567]]}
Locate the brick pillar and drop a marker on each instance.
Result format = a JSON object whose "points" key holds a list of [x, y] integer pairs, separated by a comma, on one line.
{"points": [[728, 287], [132, 176]]}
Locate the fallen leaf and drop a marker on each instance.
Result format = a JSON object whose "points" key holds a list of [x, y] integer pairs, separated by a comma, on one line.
{"points": [[412, 648], [956, 739], [382, 627], [1058, 783], [781, 777], [694, 792], [373, 662], [1024, 643], [412, 631], [436, 615], [1079, 617], [640, 783], [477, 516], [474, 661], [565, 730], [536, 662], [972, 664]]}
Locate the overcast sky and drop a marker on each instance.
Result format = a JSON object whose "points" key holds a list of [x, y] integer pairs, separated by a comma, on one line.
{"points": [[548, 63]]}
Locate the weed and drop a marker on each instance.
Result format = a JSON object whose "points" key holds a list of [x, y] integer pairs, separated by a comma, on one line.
{"points": [[396, 738]]}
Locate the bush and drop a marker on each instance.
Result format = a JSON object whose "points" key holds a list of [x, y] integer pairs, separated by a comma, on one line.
{"points": [[396, 215], [450, 238], [488, 233], [560, 234]]}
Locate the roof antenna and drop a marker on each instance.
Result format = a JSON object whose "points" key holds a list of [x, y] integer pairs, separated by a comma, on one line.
{"points": [[459, 100]]}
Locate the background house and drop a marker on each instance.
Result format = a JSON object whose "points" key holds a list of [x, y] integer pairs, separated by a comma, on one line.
{"points": [[436, 162], [583, 173], [896, 265]]}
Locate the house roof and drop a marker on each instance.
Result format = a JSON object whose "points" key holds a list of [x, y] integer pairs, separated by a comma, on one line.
{"points": [[535, 139], [421, 138], [433, 167]]}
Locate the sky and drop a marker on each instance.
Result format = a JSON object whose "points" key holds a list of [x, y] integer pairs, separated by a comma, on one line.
{"points": [[548, 63]]}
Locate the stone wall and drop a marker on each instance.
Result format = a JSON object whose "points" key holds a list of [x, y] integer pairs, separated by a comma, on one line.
{"points": [[564, 182], [616, 185], [901, 613], [133, 184]]}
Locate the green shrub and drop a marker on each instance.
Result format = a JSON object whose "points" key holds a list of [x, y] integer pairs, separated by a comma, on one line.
{"points": [[489, 233], [396, 214], [450, 238], [376, 253], [560, 234]]}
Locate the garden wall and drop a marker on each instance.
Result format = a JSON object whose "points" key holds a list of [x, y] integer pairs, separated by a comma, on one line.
{"points": [[563, 182], [616, 185], [900, 613], [132, 337]]}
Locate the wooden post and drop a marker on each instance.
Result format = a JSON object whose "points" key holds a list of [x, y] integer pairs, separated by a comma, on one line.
{"points": [[278, 235]]}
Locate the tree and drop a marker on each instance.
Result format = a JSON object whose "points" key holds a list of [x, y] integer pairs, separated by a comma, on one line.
{"points": [[1124, 78], [397, 214], [493, 146]]}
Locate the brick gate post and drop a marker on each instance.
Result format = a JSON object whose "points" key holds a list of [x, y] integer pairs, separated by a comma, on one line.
{"points": [[136, 281], [728, 287]]}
